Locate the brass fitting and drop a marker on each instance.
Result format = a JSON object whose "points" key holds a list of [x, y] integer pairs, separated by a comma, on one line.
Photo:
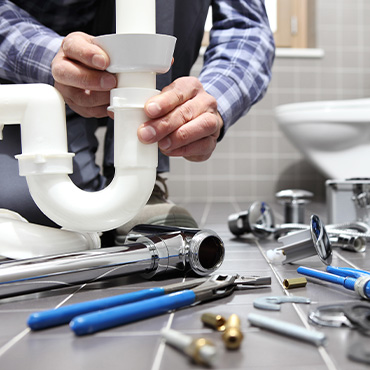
{"points": [[232, 335], [215, 321], [295, 283], [202, 351]]}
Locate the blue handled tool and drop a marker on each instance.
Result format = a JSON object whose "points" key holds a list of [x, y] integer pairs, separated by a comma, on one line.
{"points": [[91, 316], [64, 314], [216, 287], [124, 314], [353, 279]]}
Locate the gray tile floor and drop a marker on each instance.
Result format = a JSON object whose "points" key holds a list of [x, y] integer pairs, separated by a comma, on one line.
{"points": [[138, 346]]}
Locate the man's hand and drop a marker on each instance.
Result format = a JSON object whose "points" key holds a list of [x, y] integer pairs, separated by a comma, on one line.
{"points": [[79, 73], [183, 120]]}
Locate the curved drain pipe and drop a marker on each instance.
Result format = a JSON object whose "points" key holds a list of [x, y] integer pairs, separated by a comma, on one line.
{"points": [[46, 162], [198, 251], [21, 239], [136, 54]]}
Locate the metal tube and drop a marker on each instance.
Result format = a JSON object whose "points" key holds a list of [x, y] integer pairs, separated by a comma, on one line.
{"points": [[202, 250], [348, 242], [288, 329], [295, 283], [150, 255], [258, 220], [307, 243]]}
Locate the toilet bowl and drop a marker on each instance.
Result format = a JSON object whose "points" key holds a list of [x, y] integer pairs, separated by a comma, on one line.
{"points": [[333, 135]]}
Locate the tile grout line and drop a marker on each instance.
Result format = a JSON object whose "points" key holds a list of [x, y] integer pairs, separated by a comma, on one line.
{"points": [[345, 260], [159, 356], [323, 352], [14, 341], [23, 333], [71, 295]]}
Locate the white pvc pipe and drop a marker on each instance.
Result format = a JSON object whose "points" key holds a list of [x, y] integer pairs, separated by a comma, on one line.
{"points": [[46, 163], [135, 16], [21, 239]]}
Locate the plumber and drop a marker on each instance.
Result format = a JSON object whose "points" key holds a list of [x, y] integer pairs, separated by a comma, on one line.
{"points": [[52, 42]]}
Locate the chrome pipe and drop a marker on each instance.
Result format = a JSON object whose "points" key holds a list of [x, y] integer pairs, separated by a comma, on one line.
{"points": [[348, 242], [307, 243], [201, 252], [258, 220]]}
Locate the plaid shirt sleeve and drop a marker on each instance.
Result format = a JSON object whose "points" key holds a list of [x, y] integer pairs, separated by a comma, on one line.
{"points": [[26, 47], [238, 61]]}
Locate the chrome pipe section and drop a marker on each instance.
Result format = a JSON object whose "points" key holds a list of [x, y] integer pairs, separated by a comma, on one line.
{"points": [[303, 244], [202, 250], [348, 242], [258, 220], [294, 202], [202, 253]]}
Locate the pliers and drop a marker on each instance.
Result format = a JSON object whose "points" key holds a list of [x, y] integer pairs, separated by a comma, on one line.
{"points": [[92, 316]]}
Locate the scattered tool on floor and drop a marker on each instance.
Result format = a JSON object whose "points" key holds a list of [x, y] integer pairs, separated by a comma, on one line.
{"points": [[294, 202], [199, 251], [214, 321], [358, 313], [218, 286], [273, 303], [350, 278], [142, 304], [286, 328], [302, 244], [293, 283], [330, 315], [232, 336], [64, 314], [355, 315], [200, 350], [257, 220]]}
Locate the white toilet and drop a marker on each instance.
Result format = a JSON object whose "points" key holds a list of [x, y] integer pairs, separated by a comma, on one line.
{"points": [[333, 135]]}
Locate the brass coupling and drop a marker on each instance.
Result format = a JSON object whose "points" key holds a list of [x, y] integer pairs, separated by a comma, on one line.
{"points": [[295, 283], [214, 321], [197, 347], [232, 335]]}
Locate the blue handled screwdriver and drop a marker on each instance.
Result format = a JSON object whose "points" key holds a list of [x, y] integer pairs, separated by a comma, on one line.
{"points": [[352, 279]]}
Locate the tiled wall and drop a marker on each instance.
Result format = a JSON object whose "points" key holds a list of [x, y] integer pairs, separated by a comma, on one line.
{"points": [[254, 160]]}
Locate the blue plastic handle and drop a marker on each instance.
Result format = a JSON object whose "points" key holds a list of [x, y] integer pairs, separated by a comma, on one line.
{"points": [[347, 271], [64, 314], [347, 282], [111, 317]]}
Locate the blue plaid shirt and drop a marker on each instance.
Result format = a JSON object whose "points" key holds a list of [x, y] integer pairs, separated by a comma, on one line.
{"points": [[237, 63]]}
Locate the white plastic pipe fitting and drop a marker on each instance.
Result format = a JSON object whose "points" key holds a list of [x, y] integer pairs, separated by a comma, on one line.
{"points": [[46, 163], [136, 54], [21, 239]]}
